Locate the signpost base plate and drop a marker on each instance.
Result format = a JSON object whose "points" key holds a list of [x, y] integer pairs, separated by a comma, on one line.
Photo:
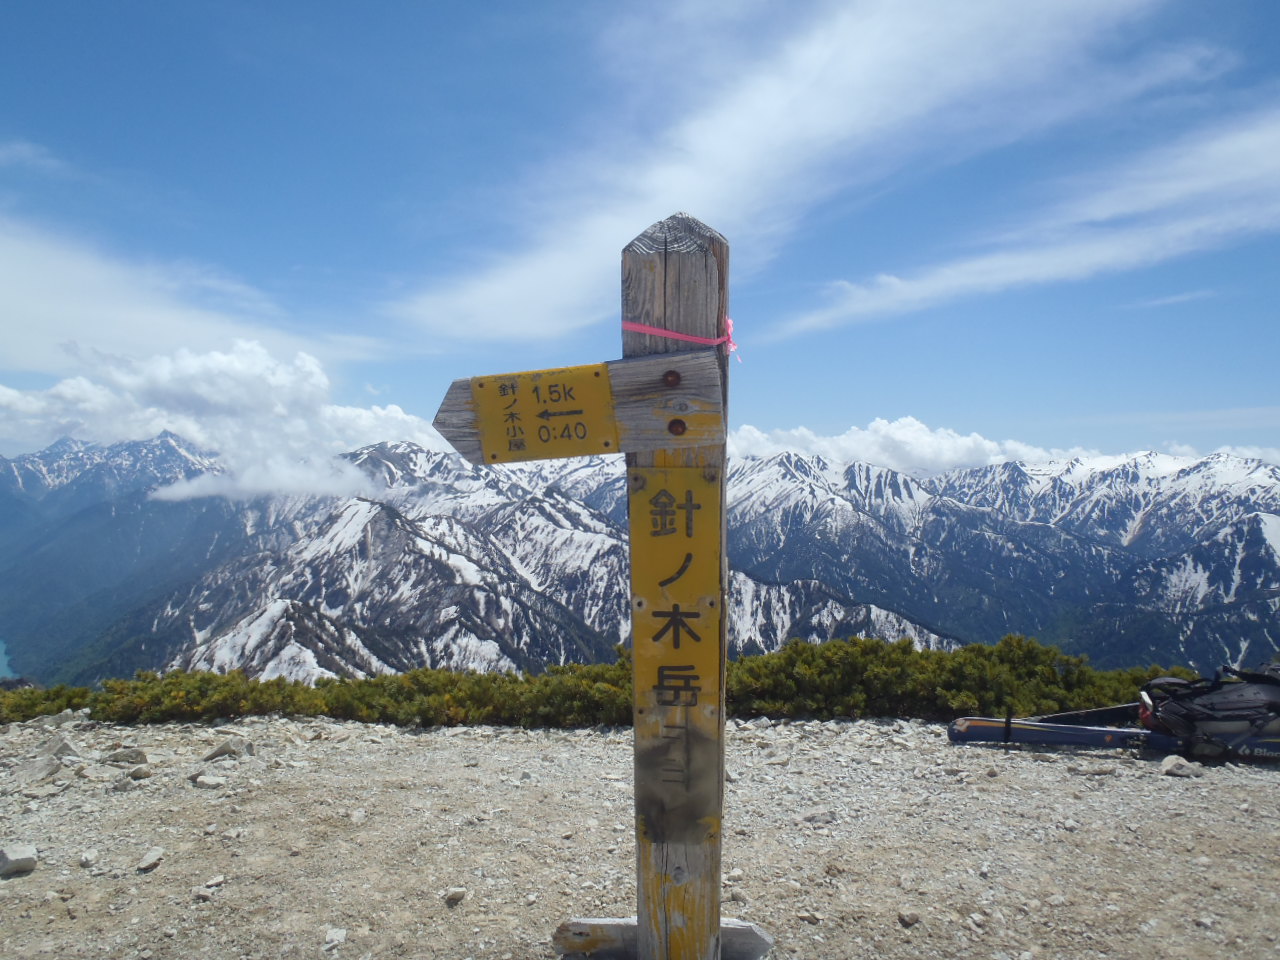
{"points": [[615, 939]]}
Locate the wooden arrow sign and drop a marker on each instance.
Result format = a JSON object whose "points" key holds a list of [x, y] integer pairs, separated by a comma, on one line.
{"points": [[647, 403]]}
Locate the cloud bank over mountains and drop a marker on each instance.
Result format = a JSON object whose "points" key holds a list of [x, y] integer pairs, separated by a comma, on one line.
{"points": [[276, 429], [272, 422]]}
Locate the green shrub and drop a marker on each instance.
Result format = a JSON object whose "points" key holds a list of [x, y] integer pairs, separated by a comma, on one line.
{"points": [[29, 702], [854, 677]]}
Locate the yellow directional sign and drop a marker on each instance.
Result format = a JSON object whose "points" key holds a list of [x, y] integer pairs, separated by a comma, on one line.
{"points": [[542, 414], [644, 403]]}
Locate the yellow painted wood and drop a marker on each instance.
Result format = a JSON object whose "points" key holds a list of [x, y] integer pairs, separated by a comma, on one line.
{"points": [[545, 414], [675, 277], [648, 394], [676, 611]]}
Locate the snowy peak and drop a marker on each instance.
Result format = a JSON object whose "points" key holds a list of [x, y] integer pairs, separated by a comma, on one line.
{"points": [[95, 472], [285, 639], [1128, 559], [1152, 503]]}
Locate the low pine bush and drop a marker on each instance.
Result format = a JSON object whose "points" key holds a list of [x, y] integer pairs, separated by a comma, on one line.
{"points": [[855, 677]]}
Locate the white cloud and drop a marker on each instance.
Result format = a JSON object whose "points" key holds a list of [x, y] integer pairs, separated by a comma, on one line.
{"points": [[271, 422], [31, 156], [1213, 187], [277, 431], [1173, 299], [58, 292], [904, 444], [850, 95]]}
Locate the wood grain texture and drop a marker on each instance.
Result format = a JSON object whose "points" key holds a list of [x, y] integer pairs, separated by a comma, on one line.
{"points": [[675, 277], [645, 404], [456, 420]]}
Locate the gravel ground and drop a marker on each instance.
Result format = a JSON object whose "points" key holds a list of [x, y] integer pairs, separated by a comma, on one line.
{"points": [[843, 840]]}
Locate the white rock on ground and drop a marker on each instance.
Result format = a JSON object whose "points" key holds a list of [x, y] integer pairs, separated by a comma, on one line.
{"points": [[17, 858], [914, 852]]}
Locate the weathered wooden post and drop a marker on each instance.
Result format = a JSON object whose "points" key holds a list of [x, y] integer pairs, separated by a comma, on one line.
{"points": [[664, 406], [675, 286]]}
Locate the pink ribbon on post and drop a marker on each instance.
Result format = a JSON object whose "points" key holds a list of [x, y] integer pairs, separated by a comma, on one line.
{"points": [[687, 337]]}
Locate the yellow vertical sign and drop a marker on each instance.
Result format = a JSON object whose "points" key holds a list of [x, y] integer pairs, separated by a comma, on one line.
{"points": [[676, 524]]}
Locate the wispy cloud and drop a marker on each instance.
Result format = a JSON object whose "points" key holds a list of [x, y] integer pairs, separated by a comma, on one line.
{"points": [[1173, 421], [23, 154], [1173, 300], [844, 99], [1210, 188], [60, 293], [271, 421]]}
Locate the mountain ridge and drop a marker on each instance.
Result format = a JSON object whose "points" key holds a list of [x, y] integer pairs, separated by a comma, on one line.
{"points": [[1152, 557]]}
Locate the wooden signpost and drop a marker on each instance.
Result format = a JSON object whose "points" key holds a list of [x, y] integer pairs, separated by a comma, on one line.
{"points": [[664, 406]]}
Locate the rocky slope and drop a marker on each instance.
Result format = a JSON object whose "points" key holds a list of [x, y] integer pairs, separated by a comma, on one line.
{"points": [[869, 839]]}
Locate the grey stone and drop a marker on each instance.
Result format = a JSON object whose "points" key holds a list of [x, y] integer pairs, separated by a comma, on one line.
{"points": [[55, 720], [455, 895], [43, 790], [126, 756], [236, 747], [60, 747], [150, 860], [97, 772], [204, 782], [908, 918], [334, 938], [89, 858], [33, 771], [17, 858], [819, 816], [1176, 766], [123, 785]]}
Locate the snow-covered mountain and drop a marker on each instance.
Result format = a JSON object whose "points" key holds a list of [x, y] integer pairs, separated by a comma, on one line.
{"points": [[1150, 558]]}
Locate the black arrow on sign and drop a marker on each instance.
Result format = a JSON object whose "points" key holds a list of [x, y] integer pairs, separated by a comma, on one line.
{"points": [[548, 414]]}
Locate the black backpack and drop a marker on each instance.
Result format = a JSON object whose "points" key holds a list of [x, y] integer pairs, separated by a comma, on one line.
{"points": [[1214, 716]]}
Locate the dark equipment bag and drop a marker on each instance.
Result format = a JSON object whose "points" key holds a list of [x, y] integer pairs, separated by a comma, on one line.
{"points": [[1214, 715]]}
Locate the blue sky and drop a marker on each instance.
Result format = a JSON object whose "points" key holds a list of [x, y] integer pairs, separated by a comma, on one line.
{"points": [[960, 232]]}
